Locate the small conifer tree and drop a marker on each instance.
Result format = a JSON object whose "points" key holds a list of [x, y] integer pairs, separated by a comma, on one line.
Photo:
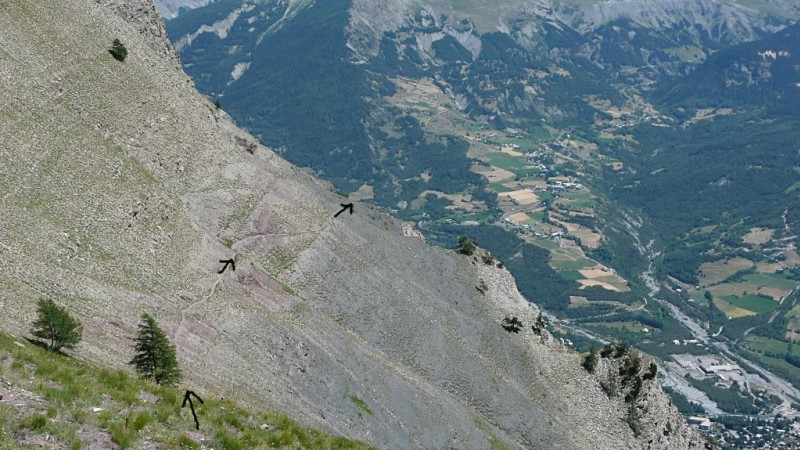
{"points": [[155, 357], [512, 324], [118, 50], [590, 360], [539, 323], [56, 326], [466, 246]]}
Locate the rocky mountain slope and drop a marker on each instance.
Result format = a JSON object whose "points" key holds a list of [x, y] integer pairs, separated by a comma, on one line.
{"points": [[122, 187], [59, 401]]}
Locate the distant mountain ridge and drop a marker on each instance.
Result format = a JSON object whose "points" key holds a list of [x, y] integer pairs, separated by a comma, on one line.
{"points": [[765, 72], [171, 8]]}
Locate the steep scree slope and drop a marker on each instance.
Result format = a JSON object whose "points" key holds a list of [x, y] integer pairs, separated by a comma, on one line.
{"points": [[121, 187]]}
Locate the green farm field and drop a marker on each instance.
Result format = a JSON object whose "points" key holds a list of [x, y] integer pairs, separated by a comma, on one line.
{"points": [[751, 302], [506, 161]]}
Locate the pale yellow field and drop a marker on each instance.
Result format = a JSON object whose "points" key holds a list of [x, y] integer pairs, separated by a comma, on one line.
{"points": [[511, 151], [522, 196], [775, 293], [571, 227], [792, 258], [541, 184], [519, 217], [739, 289], [758, 236], [731, 311], [460, 201], [765, 267], [602, 284], [589, 238], [493, 174], [717, 271], [594, 273]]}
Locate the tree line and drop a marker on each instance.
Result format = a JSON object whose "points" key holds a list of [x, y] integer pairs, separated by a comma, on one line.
{"points": [[154, 357]]}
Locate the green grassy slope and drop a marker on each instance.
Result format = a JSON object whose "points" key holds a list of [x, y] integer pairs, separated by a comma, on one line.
{"points": [[82, 405]]}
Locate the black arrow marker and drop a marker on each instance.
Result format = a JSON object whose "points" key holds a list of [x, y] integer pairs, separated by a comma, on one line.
{"points": [[191, 405], [227, 261], [344, 208]]}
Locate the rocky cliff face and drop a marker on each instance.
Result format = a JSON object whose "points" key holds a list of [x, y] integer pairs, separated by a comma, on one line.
{"points": [[145, 17], [171, 8], [121, 189], [631, 377]]}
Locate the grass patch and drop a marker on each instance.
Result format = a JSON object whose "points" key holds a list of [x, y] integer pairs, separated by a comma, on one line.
{"points": [[499, 187], [771, 346], [120, 436], [507, 162], [573, 265], [141, 420], [494, 442], [732, 311], [184, 442], [773, 280], [751, 302], [71, 389], [288, 290], [361, 404], [572, 275], [714, 272], [632, 326], [33, 422], [539, 132]]}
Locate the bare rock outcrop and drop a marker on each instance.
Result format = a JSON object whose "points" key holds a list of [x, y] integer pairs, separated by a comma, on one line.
{"points": [[144, 15], [631, 378]]}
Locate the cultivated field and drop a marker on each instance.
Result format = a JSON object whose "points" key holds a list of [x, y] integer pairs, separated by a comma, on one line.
{"points": [[522, 196], [758, 236], [715, 272]]}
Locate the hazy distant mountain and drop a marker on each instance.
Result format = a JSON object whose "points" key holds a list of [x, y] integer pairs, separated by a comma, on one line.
{"points": [[764, 73]]}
